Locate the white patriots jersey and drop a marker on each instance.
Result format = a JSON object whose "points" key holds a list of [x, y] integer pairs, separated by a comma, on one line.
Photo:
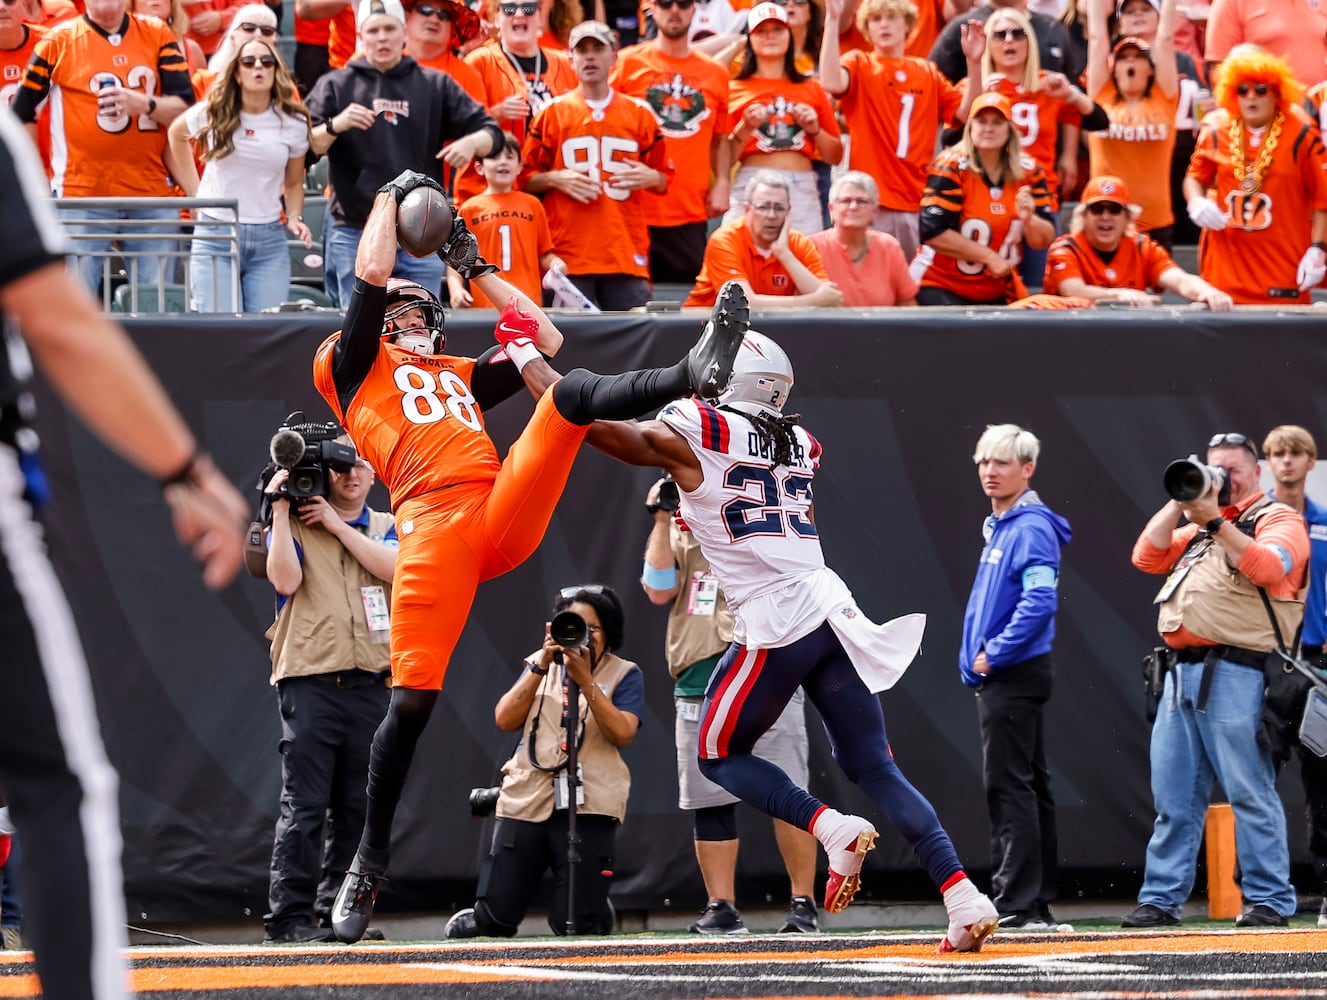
{"points": [[750, 516]]}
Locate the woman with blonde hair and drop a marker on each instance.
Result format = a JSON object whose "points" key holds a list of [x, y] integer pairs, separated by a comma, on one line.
{"points": [[982, 200], [251, 135], [1257, 185]]}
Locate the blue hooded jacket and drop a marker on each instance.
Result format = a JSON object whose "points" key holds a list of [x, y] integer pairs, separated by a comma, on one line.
{"points": [[1011, 610]]}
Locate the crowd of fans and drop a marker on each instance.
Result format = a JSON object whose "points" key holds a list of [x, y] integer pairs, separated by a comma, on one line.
{"points": [[974, 128]]}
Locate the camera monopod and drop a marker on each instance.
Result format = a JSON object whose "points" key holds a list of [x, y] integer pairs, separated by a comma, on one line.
{"points": [[569, 630]]}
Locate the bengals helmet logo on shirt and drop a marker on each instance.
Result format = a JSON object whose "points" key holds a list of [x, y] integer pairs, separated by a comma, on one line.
{"points": [[679, 107]]}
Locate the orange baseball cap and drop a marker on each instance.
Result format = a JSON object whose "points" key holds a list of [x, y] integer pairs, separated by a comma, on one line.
{"points": [[1105, 188], [991, 100]]}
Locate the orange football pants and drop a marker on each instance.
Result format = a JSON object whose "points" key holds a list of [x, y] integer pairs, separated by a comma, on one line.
{"points": [[454, 539]]}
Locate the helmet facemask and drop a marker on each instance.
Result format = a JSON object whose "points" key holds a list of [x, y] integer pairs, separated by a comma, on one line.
{"points": [[425, 340]]}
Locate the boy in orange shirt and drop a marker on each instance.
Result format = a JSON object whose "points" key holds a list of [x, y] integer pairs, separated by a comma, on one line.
{"points": [[511, 228]]}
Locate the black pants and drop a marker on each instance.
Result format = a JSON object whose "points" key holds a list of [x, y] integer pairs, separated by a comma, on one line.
{"points": [[310, 65], [1024, 849], [613, 292], [676, 253], [520, 855], [326, 733], [60, 787], [1313, 772]]}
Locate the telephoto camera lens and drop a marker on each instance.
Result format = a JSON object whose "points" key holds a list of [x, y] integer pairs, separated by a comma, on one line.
{"points": [[569, 630], [484, 801]]}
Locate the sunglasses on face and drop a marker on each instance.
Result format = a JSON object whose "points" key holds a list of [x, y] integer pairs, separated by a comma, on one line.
{"points": [[258, 29], [1245, 89], [249, 62], [512, 9], [1233, 441], [793, 3], [428, 10], [670, 4], [1105, 207], [1009, 35]]}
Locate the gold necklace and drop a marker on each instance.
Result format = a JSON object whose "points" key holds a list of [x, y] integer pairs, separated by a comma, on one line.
{"points": [[1251, 182]]}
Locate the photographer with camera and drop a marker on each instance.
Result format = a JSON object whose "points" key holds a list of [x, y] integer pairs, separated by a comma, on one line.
{"points": [[700, 630], [536, 830], [330, 559], [1234, 594]]}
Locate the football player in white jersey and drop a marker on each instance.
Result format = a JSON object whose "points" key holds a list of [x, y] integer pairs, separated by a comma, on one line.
{"points": [[745, 471]]}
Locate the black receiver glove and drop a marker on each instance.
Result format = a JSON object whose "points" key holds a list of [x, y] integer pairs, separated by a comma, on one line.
{"points": [[405, 182], [461, 252]]}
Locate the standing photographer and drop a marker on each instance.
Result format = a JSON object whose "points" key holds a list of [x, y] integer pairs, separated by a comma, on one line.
{"points": [[1234, 593], [531, 834], [331, 562]]}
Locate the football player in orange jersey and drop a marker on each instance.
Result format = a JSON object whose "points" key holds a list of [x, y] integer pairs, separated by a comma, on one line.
{"points": [[982, 200], [895, 106], [1263, 160], [1104, 259], [594, 153], [417, 416]]}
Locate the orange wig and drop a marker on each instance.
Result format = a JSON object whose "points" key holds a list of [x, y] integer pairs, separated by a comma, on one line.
{"points": [[1248, 64]]}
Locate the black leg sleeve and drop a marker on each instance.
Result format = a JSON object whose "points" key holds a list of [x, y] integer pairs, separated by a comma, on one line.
{"points": [[389, 763], [584, 397]]}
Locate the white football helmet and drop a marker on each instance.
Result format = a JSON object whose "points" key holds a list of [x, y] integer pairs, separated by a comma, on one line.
{"points": [[762, 376]]}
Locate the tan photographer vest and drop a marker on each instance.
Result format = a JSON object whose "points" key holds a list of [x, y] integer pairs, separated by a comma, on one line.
{"points": [[527, 792], [1215, 601], [692, 638], [322, 628]]}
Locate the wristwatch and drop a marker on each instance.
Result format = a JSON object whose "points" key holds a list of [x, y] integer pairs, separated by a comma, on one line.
{"points": [[538, 671], [1214, 525], [151, 105]]}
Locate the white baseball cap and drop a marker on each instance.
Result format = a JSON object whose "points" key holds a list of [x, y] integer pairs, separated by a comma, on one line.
{"points": [[765, 11], [370, 8]]}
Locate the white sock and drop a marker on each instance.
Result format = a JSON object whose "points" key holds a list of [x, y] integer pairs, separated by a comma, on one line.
{"points": [[960, 892], [827, 818], [521, 354]]}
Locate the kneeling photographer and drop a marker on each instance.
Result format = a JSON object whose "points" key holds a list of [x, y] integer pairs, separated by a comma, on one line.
{"points": [[330, 559], [577, 705], [1233, 596]]}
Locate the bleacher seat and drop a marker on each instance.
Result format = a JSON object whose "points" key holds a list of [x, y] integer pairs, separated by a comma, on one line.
{"points": [[315, 210], [175, 299], [306, 266], [307, 293]]}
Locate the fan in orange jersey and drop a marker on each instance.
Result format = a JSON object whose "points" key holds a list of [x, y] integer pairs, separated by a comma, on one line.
{"points": [[174, 14], [417, 415], [688, 93], [520, 76], [1103, 258], [1257, 185], [17, 42], [114, 81], [982, 200], [1139, 87], [593, 153], [435, 31], [510, 227], [895, 106], [781, 118], [778, 266]]}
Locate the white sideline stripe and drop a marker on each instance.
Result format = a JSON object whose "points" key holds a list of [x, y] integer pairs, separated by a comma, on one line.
{"points": [[76, 724], [719, 715]]}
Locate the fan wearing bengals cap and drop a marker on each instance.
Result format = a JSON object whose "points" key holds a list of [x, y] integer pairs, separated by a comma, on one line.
{"points": [[984, 198], [1103, 258], [1257, 185]]}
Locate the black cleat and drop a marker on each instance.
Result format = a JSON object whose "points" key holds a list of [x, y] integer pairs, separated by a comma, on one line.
{"points": [[462, 924], [354, 905], [710, 363]]}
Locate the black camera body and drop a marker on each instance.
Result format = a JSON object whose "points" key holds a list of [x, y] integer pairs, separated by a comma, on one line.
{"points": [[484, 801], [309, 451], [1187, 479]]}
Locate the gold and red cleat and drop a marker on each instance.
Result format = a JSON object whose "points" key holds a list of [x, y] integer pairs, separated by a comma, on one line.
{"points": [[970, 924], [842, 885]]}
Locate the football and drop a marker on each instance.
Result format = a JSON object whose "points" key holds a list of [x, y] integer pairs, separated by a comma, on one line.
{"points": [[423, 222]]}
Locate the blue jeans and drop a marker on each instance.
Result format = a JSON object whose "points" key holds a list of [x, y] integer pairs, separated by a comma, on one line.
{"points": [[264, 269], [150, 268], [339, 247], [1189, 748]]}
